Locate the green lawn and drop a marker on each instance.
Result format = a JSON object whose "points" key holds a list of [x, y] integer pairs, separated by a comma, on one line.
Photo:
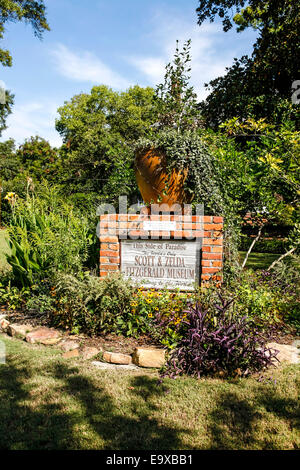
{"points": [[258, 260], [3, 249], [49, 403]]}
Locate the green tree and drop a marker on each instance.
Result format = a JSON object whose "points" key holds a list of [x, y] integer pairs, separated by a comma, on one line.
{"points": [[9, 164], [259, 86], [5, 108], [269, 176], [28, 11], [99, 130], [38, 160]]}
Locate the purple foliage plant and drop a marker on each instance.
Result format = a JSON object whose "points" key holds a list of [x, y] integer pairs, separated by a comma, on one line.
{"points": [[219, 342]]}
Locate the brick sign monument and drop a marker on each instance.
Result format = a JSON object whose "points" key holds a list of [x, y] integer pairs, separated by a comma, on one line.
{"points": [[155, 251]]}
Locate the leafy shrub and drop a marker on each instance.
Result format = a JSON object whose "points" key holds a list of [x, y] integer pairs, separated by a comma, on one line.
{"points": [[41, 299], [41, 303], [218, 342], [284, 282], [113, 304], [91, 304], [12, 297], [258, 303], [293, 318]]}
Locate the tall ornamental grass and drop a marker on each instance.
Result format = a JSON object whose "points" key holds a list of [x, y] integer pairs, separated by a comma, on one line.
{"points": [[47, 235]]}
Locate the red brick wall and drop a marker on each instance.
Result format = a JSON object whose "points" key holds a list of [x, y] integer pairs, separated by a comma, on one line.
{"points": [[208, 228]]}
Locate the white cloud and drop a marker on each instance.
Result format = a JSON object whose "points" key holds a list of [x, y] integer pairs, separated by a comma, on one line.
{"points": [[212, 51], [31, 119], [152, 67], [86, 67]]}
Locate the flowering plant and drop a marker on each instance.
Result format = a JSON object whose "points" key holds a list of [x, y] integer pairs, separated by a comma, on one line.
{"points": [[158, 314]]}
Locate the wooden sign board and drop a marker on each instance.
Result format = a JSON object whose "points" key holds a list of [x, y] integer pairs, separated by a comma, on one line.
{"points": [[161, 263]]}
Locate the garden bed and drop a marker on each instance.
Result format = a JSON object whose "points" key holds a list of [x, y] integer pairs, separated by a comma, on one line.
{"points": [[109, 342]]}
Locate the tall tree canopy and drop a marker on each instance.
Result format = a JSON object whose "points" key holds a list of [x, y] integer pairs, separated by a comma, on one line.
{"points": [[99, 130], [28, 11], [9, 164], [259, 86], [38, 159], [5, 108]]}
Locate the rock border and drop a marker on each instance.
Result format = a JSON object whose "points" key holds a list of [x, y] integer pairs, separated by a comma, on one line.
{"points": [[142, 358]]}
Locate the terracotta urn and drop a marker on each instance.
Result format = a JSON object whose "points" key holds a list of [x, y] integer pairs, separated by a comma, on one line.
{"points": [[156, 184]]}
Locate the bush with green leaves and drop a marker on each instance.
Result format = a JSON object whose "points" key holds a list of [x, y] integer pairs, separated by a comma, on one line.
{"points": [[46, 235], [284, 282], [90, 304], [115, 305], [258, 303], [13, 298]]}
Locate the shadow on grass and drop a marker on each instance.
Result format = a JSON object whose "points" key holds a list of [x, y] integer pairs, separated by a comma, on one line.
{"points": [[133, 428], [52, 405], [23, 426], [85, 416], [258, 260], [237, 423]]}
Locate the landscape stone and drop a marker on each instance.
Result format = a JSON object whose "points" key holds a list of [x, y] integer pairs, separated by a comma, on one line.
{"points": [[117, 358], [4, 325], [108, 366], [287, 353], [19, 331], [43, 335], [89, 352], [149, 357], [70, 354], [69, 345]]}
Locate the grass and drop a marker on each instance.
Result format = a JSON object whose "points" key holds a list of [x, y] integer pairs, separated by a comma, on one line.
{"points": [[258, 260], [4, 248], [49, 403]]}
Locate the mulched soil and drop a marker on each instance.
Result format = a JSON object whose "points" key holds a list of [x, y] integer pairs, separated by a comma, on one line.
{"points": [[111, 342], [284, 338]]}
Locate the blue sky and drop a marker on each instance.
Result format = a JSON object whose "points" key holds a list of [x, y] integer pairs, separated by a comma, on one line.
{"points": [[113, 42]]}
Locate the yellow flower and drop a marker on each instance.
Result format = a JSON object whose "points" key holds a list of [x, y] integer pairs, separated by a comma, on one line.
{"points": [[150, 315], [10, 196]]}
